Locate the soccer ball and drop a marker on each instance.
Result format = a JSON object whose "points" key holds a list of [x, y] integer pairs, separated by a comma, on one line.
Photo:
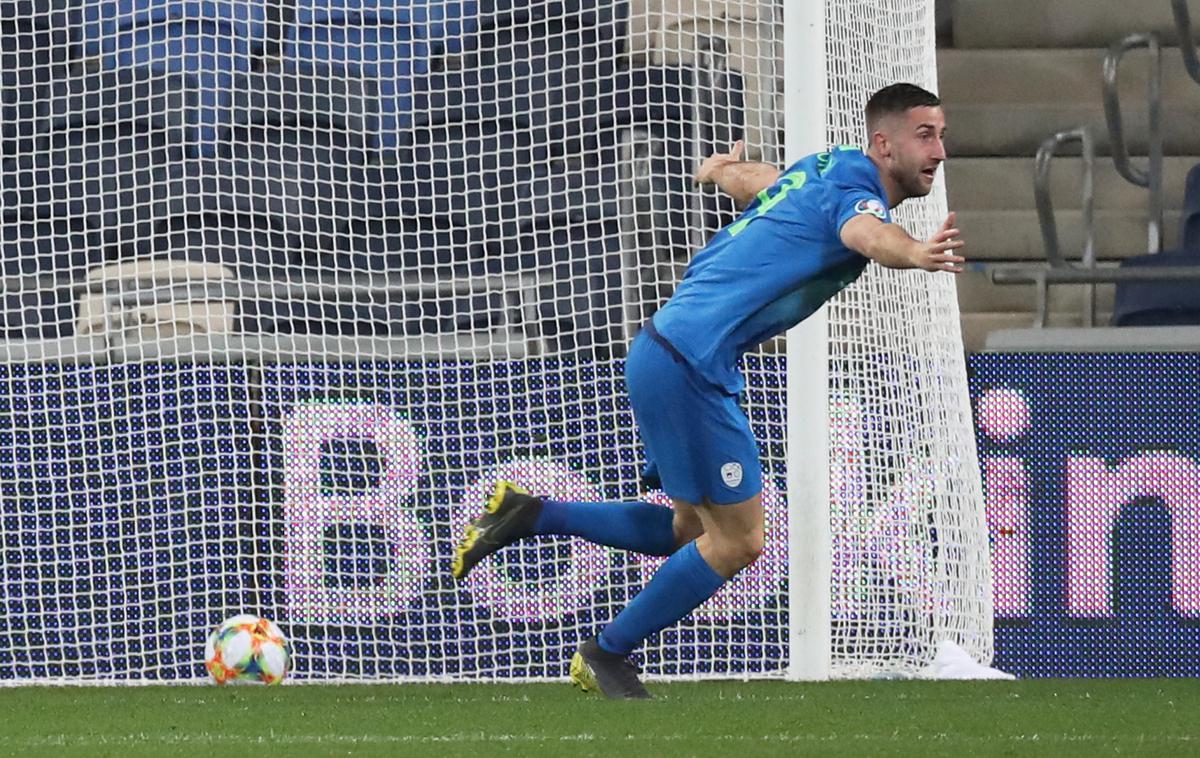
{"points": [[247, 648]]}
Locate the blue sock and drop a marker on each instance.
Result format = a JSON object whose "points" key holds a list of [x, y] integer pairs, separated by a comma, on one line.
{"points": [[678, 588], [640, 527]]}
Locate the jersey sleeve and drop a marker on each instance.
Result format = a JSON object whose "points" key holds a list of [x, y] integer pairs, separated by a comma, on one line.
{"points": [[858, 202], [857, 194]]}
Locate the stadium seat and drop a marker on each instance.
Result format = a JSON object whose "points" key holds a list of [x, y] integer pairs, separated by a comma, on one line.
{"points": [[525, 74], [580, 311], [298, 144], [441, 24], [1165, 303], [59, 247], [379, 42], [63, 249], [237, 235], [212, 40], [608, 17], [396, 229], [644, 95], [39, 314], [567, 193], [35, 48], [445, 25], [102, 19], [459, 171], [398, 314], [1189, 232], [392, 229], [108, 154], [253, 245], [1162, 303]]}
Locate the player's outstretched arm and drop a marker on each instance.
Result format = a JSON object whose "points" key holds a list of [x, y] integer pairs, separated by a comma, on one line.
{"points": [[889, 245], [739, 179]]}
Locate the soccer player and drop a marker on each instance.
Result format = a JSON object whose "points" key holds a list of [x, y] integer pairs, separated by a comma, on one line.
{"points": [[804, 235]]}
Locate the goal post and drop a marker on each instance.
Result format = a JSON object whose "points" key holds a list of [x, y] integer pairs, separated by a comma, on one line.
{"points": [[287, 285], [898, 561], [809, 550]]}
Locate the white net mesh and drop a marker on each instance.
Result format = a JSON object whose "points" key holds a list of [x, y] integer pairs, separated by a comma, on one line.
{"points": [[289, 283], [910, 550]]}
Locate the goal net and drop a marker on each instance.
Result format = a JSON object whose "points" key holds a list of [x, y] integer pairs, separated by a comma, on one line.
{"points": [[288, 283]]}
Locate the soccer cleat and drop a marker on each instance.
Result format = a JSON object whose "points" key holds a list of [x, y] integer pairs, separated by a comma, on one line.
{"points": [[594, 669], [510, 515]]}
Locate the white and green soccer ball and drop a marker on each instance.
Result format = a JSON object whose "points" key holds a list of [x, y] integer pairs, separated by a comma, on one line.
{"points": [[247, 648]]}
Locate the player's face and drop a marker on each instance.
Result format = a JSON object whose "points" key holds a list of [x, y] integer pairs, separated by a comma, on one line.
{"points": [[917, 149]]}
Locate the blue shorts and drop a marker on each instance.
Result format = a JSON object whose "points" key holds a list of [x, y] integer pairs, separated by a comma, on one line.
{"points": [[695, 433]]}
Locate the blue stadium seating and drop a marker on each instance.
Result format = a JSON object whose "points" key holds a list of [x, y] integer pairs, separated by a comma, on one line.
{"points": [[103, 19], [524, 64], [521, 75], [379, 43], [286, 165], [607, 16], [446, 23], [211, 39], [581, 310], [212, 230], [37, 314], [49, 246], [556, 197], [306, 162], [440, 24]]}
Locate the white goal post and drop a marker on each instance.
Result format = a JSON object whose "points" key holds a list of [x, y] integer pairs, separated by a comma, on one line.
{"points": [[889, 544], [285, 285]]}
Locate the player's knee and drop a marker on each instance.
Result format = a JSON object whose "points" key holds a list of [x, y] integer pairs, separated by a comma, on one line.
{"points": [[686, 529], [738, 553], [750, 547]]}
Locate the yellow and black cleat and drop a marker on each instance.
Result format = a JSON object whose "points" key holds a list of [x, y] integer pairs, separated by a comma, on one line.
{"points": [[510, 515], [594, 669]]}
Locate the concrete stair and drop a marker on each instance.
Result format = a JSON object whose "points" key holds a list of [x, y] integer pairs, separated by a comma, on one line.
{"points": [[1006, 102], [1020, 71], [1057, 23]]}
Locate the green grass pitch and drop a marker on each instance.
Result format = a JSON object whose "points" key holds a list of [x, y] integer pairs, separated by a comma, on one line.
{"points": [[735, 719]]}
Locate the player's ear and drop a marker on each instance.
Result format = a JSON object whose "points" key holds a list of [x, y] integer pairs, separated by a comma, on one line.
{"points": [[880, 144]]}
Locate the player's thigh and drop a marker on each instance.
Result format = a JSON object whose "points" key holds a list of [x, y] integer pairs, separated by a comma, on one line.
{"points": [[695, 434], [662, 403]]}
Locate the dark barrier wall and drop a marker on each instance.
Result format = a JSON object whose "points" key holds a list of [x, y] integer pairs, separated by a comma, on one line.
{"points": [[1091, 466], [142, 503]]}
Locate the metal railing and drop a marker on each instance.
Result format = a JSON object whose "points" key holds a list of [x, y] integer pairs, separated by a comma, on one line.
{"points": [[1151, 177], [1060, 270], [1049, 228], [1187, 43]]}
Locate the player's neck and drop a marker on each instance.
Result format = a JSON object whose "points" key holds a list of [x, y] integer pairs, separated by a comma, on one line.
{"points": [[895, 195]]}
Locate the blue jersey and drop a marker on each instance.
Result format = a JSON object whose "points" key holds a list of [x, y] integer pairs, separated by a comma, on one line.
{"points": [[774, 266]]}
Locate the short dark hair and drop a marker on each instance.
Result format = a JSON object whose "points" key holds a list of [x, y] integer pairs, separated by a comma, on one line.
{"points": [[898, 98]]}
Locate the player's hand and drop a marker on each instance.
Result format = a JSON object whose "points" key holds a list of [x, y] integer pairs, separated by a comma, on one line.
{"points": [[712, 165], [938, 254]]}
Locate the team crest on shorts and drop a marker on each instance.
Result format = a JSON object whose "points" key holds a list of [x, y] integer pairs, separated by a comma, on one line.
{"points": [[731, 474]]}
